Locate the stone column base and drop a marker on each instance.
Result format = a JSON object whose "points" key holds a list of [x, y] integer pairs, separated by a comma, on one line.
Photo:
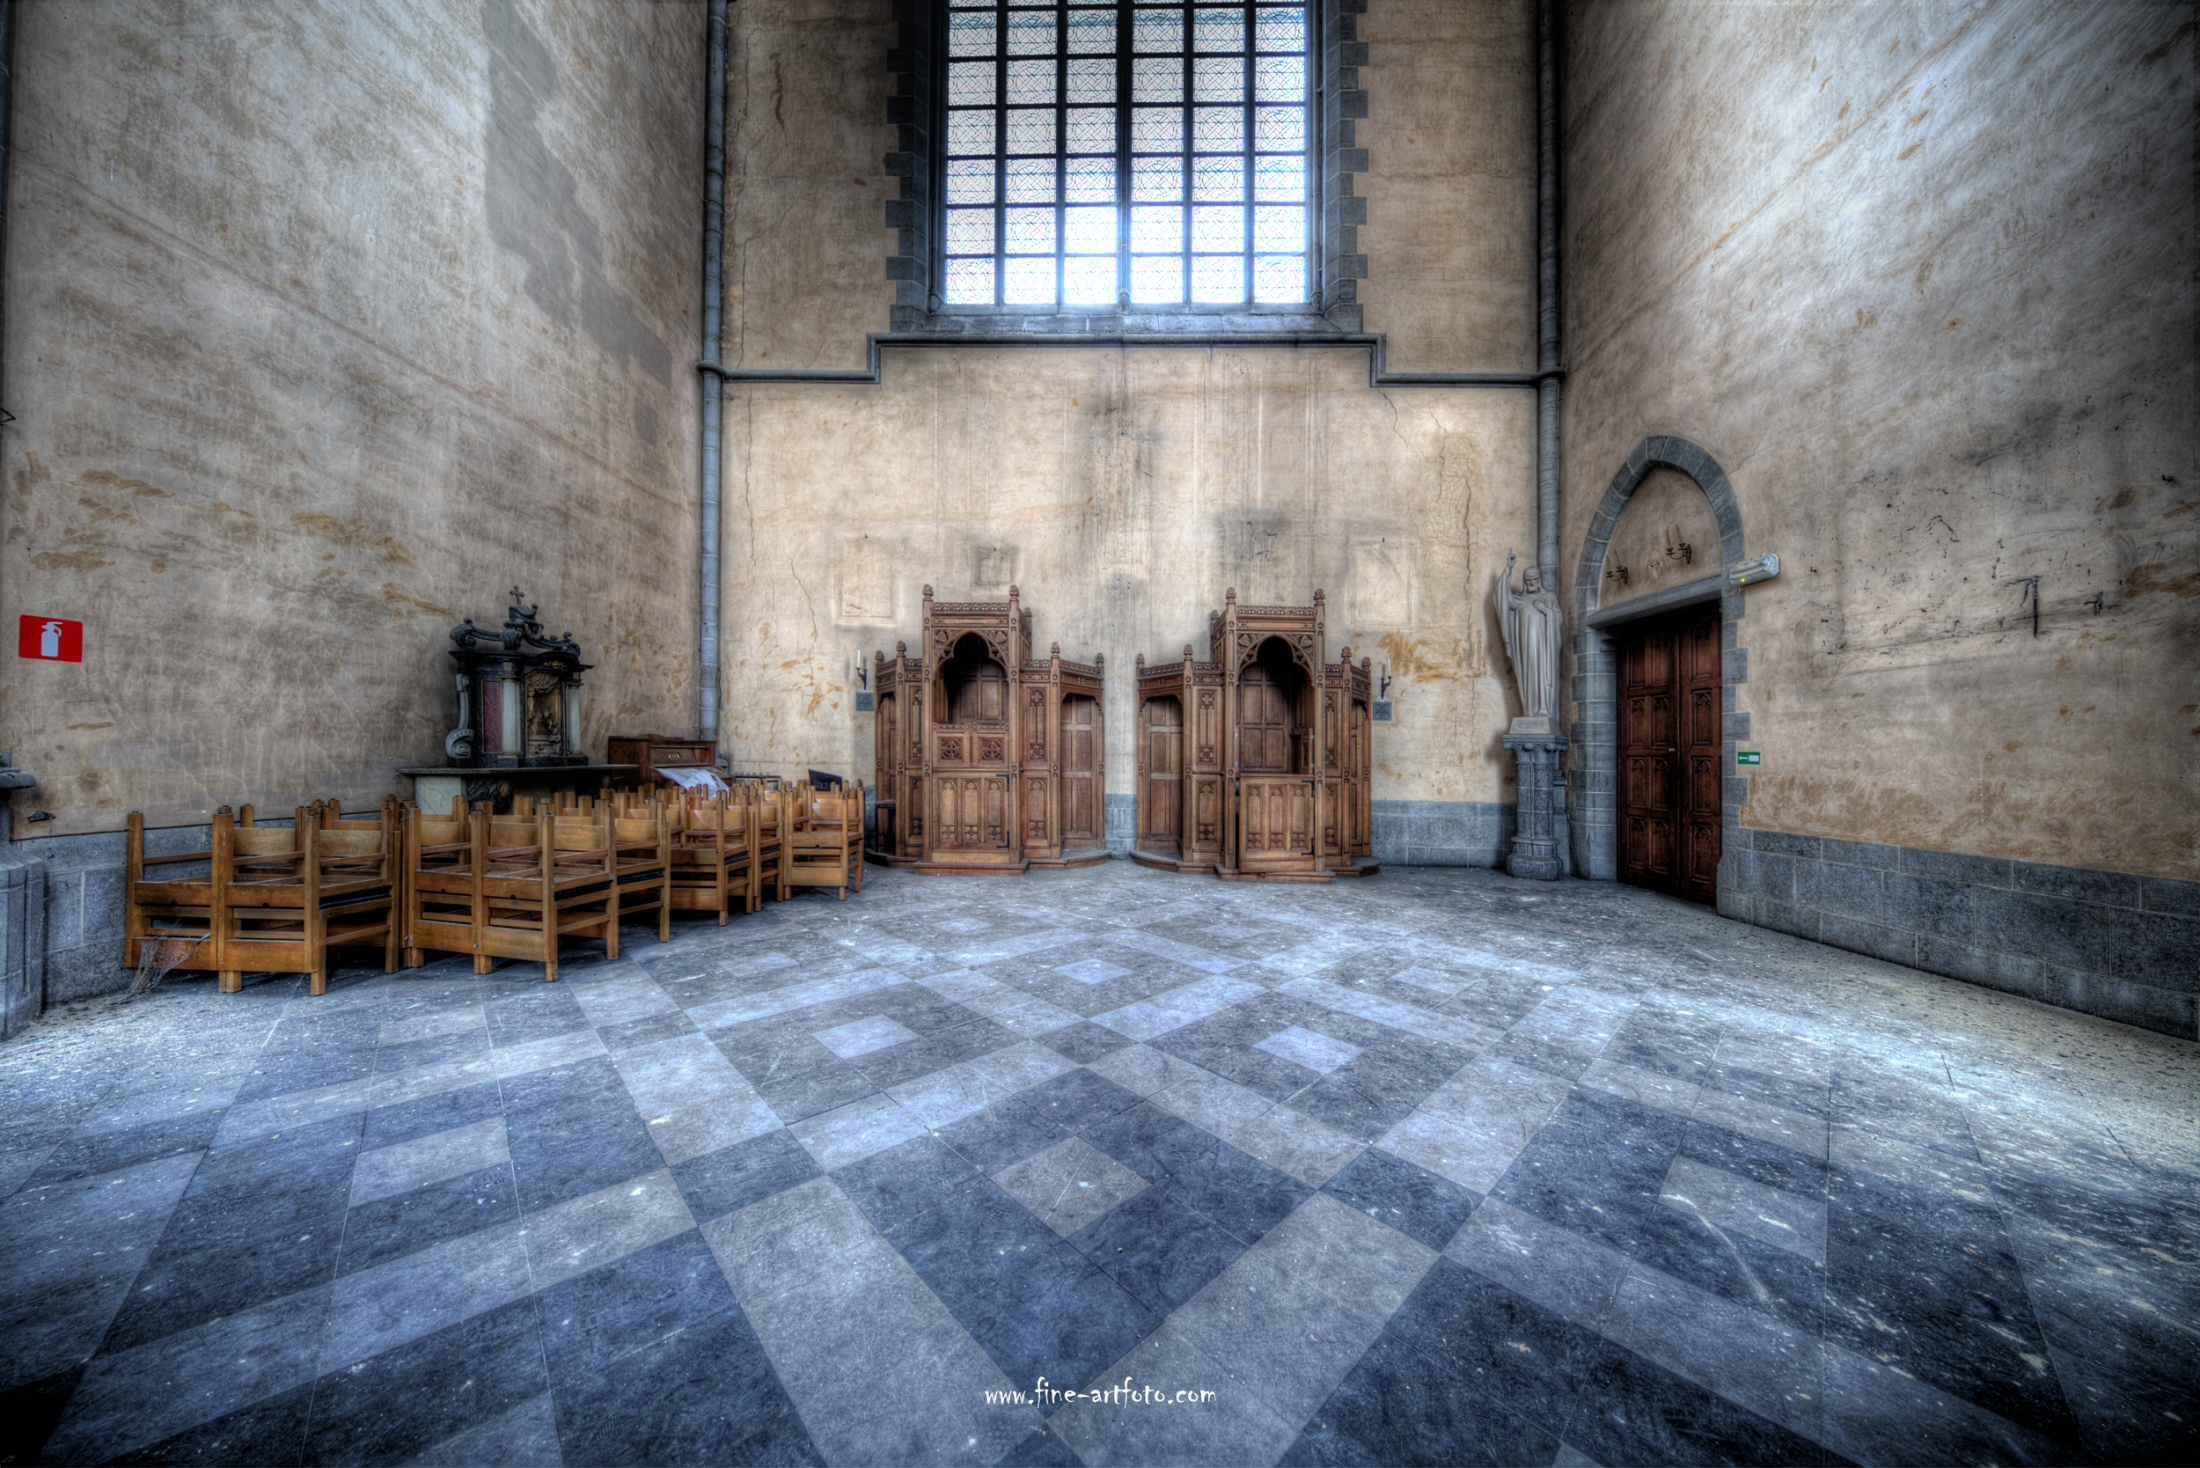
{"points": [[1535, 853]]}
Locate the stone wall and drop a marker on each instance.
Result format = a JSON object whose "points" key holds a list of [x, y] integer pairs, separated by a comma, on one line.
{"points": [[1919, 278], [325, 327], [1123, 491]]}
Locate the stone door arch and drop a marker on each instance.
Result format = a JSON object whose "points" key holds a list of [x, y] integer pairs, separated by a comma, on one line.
{"points": [[1593, 791]]}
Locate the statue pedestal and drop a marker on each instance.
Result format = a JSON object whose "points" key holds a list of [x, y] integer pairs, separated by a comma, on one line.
{"points": [[1535, 842]]}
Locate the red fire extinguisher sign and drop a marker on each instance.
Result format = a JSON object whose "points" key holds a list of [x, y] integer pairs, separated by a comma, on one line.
{"points": [[51, 639]]}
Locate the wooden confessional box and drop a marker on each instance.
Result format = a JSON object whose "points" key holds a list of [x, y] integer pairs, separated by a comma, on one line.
{"points": [[1256, 762], [989, 760]]}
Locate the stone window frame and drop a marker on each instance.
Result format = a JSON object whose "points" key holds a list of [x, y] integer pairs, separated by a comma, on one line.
{"points": [[918, 64], [1592, 794]]}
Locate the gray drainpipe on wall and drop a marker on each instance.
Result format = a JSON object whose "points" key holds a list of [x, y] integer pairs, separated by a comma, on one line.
{"points": [[710, 368], [1542, 844], [22, 877], [1546, 364]]}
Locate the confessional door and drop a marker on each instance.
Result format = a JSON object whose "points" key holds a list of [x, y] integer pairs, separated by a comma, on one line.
{"points": [[1264, 724], [973, 813], [1161, 752], [1670, 698], [1080, 772]]}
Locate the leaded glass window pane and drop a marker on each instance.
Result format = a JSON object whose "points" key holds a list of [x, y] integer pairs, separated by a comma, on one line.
{"points": [[1089, 231], [1091, 31], [1218, 279], [1157, 227], [1219, 30], [1090, 181], [1218, 79], [971, 35], [970, 84], [1159, 180], [1089, 280], [1158, 30], [1051, 196], [1027, 281], [1030, 180], [969, 282], [1218, 228], [1157, 79], [1029, 82], [1092, 80], [970, 181], [1279, 129], [1219, 129], [1031, 130], [970, 231], [1030, 231], [1030, 32], [1279, 279], [1091, 130], [1157, 280], [1218, 180]]}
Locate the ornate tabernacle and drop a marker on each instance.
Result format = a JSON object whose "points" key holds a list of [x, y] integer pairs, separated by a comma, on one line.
{"points": [[1256, 762], [519, 694], [989, 760]]}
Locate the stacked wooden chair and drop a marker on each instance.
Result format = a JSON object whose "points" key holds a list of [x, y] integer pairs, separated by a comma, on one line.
{"points": [[714, 856], [641, 845], [443, 904], [544, 879], [266, 899], [824, 839]]}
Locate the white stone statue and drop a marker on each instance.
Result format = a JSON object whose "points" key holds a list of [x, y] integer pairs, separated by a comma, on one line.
{"points": [[1533, 632]]}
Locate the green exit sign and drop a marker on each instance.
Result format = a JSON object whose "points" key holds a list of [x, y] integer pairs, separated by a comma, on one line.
{"points": [[1748, 757]]}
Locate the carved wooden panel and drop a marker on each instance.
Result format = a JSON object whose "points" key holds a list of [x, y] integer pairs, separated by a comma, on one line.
{"points": [[1161, 751], [1081, 802], [973, 813], [1207, 813], [1276, 814], [1035, 810]]}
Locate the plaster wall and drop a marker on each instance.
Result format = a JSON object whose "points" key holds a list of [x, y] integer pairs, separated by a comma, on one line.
{"points": [[327, 325], [1920, 278], [1124, 490]]}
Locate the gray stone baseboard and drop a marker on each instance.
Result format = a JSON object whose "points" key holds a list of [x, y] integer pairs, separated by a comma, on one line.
{"points": [[1429, 833], [22, 939], [86, 881], [1122, 818], [2121, 947], [1441, 833]]}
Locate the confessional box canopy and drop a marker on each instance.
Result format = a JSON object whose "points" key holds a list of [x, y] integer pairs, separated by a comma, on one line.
{"points": [[1256, 761], [989, 759]]}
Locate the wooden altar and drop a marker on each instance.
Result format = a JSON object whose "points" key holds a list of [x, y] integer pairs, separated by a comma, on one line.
{"points": [[1255, 763], [989, 760]]}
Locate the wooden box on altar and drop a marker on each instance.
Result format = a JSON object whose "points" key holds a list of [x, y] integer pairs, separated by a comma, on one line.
{"points": [[654, 752], [989, 760], [1256, 762]]}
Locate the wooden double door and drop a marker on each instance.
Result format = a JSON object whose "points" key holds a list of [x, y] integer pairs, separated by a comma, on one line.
{"points": [[1670, 707]]}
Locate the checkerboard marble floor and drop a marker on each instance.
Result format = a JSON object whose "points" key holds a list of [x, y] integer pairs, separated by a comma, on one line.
{"points": [[1437, 1167]]}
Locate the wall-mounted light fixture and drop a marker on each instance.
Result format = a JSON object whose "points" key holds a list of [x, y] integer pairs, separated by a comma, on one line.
{"points": [[866, 701], [1749, 573], [1383, 710]]}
